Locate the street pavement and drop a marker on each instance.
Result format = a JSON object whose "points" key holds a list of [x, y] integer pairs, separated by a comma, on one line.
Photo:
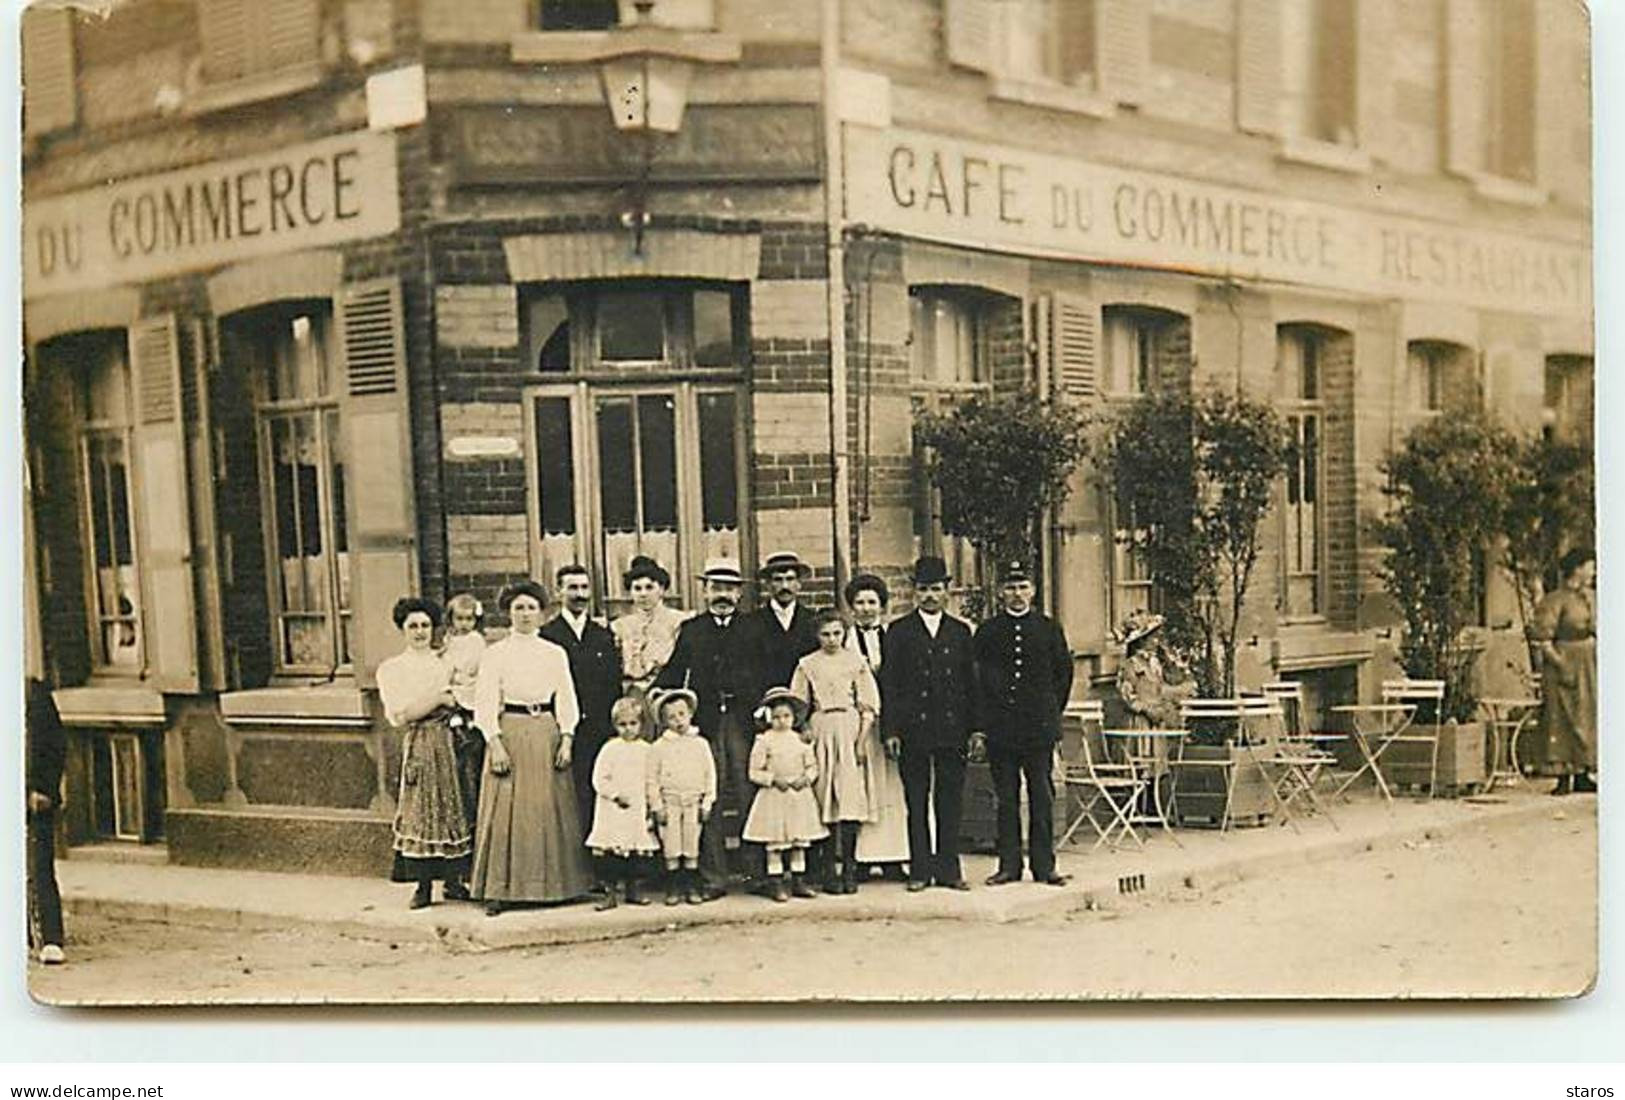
{"points": [[1167, 866]]}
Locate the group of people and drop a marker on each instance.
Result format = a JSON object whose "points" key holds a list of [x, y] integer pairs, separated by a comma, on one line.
{"points": [[789, 747]]}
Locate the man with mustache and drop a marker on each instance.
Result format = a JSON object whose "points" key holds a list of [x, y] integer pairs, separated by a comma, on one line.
{"points": [[710, 659], [595, 667]]}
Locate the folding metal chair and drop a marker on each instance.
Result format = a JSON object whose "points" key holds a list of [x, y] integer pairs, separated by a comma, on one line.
{"points": [[1258, 739], [1298, 753], [1193, 714], [1090, 771], [1417, 694]]}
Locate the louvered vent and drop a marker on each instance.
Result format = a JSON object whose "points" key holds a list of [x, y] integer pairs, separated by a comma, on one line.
{"points": [[371, 353], [155, 359], [50, 100], [1074, 358]]}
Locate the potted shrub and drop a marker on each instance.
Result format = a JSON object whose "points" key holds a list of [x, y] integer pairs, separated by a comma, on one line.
{"points": [[1447, 486]]}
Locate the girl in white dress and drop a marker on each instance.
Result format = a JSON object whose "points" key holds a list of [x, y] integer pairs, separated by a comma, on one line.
{"points": [[784, 815], [837, 684], [623, 779]]}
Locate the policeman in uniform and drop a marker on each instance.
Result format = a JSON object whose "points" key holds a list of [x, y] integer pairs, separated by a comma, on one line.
{"points": [[1025, 671]]}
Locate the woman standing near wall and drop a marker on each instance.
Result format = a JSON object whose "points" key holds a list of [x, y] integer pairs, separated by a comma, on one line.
{"points": [[647, 634], [431, 826], [528, 844], [1565, 628]]}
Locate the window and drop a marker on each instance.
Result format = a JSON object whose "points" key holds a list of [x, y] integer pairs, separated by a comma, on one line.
{"points": [[1508, 71], [635, 327], [600, 15], [1441, 376], [1141, 345], [106, 424], [254, 40], [1318, 73], [948, 357], [624, 459], [1050, 41], [302, 485], [1568, 406], [1300, 350], [1131, 587]]}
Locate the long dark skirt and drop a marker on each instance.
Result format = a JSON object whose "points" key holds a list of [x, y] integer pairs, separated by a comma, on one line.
{"points": [[432, 837], [528, 845], [1568, 735]]}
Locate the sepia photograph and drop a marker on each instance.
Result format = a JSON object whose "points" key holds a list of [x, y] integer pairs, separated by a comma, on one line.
{"points": [[706, 501]]}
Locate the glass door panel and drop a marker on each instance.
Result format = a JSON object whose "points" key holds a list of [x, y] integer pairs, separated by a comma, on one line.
{"points": [[305, 635], [637, 463], [555, 450], [719, 476]]}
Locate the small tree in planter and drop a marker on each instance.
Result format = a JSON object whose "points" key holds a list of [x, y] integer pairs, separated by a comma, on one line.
{"points": [[1448, 486], [1551, 506], [1000, 463], [1197, 474]]}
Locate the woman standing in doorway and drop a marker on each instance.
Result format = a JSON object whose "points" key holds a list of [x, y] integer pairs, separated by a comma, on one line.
{"points": [[431, 826], [528, 844], [1565, 629]]}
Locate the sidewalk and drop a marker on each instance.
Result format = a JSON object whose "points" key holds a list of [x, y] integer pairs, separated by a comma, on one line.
{"points": [[376, 910]]}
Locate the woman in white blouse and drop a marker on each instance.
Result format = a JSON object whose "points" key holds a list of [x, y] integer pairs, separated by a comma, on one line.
{"points": [[646, 634], [527, 844], [431, 826]]}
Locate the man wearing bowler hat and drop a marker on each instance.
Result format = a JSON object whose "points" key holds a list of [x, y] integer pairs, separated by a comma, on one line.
{"points": [[710, 660], [928, 696], [1025, 670]]}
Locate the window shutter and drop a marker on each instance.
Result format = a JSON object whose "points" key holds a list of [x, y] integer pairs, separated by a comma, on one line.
{"points": [[1374, 30], [200, 359], [1123, 32], [1258, 66], [377, 468], [1081, 567], [223, 27], [291, 30], [50, 99], [1562, 102], [970, 30], [1465, 85], [1074, 342], [164, 523]]}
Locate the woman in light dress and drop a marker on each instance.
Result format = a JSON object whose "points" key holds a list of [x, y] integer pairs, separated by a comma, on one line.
{"points": [[841, 692], [647, 633], [528, 845], [431, 826], [883, 839], [1565, 628]]}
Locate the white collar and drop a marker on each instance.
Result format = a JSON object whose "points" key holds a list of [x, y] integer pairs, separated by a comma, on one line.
{"points": [[932, 620], [579, 625], [783, 614]]}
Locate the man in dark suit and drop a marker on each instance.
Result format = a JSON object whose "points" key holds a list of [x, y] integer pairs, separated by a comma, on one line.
{"points": [[928, 708], [780, 633], [47, 751], [710, 660], [595, 668], [1025, 670]]}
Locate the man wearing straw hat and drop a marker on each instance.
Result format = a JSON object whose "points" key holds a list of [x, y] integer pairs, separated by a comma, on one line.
{"points": [[710, 659]]}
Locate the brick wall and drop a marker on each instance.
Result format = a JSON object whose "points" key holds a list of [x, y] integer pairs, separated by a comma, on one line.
{"points": [[1342, 584]]}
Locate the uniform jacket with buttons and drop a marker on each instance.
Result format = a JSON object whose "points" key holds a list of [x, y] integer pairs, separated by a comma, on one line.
{"points": [[595, 668], [1025, 666], [928, 685]]}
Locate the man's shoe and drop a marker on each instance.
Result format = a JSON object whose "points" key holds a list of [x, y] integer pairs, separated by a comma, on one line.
{"points": [[915, 885], [712, 892], [51, 955], [493, 908], [1055, 878], [955, 884], [1002, 878]]}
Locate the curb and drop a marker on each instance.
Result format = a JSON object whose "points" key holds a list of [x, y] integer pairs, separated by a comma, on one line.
{"points": [[1097, 889]]}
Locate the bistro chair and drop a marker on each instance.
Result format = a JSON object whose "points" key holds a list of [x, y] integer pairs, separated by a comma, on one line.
{"points": [[1260, 741], [1298, 753], [1219, 772], [1089, 770], [1419, 694]]}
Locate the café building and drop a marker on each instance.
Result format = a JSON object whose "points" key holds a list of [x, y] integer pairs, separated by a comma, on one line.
{"points": [[329, 301]]}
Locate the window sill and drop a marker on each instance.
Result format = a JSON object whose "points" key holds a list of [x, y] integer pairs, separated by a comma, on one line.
{"points": [[1056, 97], [327, 705], [1325, 154], [133, 704], [253, 89], [1510, 191], [586, 47], [1305, 650]]}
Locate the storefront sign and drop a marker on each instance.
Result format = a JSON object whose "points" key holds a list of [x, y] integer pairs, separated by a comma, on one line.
{"points": [[571, 145], [990, 197], [323, 193]]}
